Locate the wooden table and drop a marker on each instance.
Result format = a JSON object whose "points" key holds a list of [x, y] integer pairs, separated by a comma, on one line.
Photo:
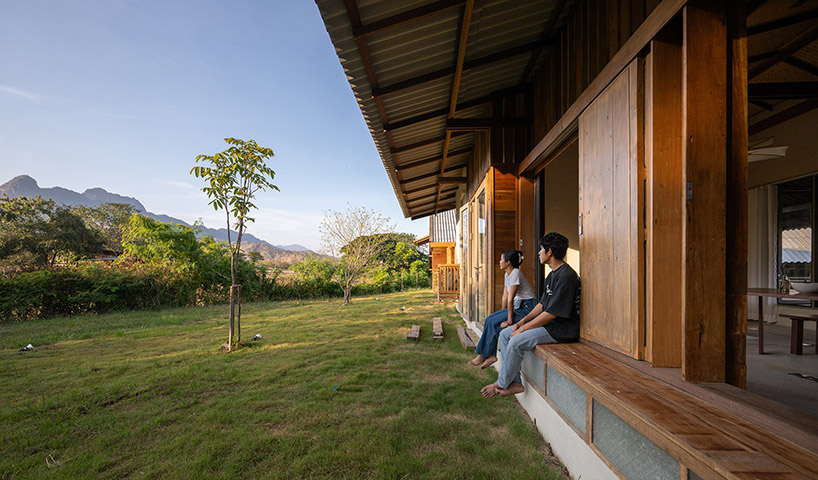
{"points": [[772, 292]]}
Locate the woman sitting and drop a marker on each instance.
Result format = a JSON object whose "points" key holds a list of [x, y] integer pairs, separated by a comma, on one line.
{"points": [[518, 300]]}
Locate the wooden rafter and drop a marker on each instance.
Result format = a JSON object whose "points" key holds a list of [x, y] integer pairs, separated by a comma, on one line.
{"points": [[427, 161], [445, 72], [783, 116], [423, 143], [753, 5], [802, 65], [433, 174], [762, 104], [460, 106], [782, 90], [761, 56], [429, 200], [783, 22], [406, 17], [553, 17], [432, 202], [784, 52], [476, 124], [452, 180], [420, 189], [465, 23]]}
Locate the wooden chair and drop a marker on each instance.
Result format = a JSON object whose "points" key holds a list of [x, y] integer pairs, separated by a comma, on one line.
{"points": [[797, 335]]}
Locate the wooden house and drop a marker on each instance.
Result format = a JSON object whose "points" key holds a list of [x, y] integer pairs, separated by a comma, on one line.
{"points": [[625, 125]]}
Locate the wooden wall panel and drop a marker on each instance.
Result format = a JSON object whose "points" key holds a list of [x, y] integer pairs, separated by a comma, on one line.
{"points": [[589, 37], [609, 244], [504, 226], [705, 153]]}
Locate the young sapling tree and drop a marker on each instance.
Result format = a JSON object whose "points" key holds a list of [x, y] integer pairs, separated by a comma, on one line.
{"points": [[233, 177]]}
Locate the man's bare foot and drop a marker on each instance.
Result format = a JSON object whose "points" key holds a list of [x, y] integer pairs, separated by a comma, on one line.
{"points": [[513, 389], [489, 390], [476, 360], [488, 362]]}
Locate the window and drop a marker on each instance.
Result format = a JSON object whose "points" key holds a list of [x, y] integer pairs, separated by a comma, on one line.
{"points": [[796, 207]]}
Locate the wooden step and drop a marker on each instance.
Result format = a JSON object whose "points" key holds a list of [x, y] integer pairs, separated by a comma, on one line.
{"points": [[414, 333], [437, 328], [465, 338]]}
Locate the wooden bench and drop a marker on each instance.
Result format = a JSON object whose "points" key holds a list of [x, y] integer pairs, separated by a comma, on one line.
{"points": [[468, 339], [437, 328], [704, 432], [414, 333], [797, 335]]}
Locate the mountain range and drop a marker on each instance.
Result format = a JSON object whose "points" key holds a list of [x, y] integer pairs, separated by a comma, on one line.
{"points": [[25, 186]]}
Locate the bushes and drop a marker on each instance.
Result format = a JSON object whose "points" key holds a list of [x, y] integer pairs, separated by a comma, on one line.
{"points": [[97, 288]]}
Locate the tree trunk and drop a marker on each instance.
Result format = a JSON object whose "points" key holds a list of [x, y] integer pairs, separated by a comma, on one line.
{"points": [[238, 314], [232, 300], [347, 294], [230, 327]]}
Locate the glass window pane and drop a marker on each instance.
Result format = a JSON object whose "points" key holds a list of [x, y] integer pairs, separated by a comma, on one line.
{"points": [[795, 254]]}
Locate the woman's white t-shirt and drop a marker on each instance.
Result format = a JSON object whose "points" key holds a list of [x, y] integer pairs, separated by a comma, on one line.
{"points": [[524, 291]]}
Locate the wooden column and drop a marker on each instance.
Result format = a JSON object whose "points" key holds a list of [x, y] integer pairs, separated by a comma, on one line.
{"points": [[737, 227], [705, 94], [665, 198]]}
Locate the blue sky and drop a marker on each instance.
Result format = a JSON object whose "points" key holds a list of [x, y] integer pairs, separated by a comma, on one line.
{"points": [[124, 94]]}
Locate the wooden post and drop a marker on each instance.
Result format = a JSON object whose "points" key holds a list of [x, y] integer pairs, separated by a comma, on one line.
{"points": [[705, 93], [737, 222], [665, 198]]}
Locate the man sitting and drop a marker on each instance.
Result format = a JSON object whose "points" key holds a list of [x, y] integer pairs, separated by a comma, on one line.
{"points": [[554, 320]]}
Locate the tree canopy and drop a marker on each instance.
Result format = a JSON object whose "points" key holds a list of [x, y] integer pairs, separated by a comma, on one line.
{"points": [[35, 232]]}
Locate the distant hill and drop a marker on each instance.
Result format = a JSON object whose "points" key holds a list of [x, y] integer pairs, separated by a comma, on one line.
{"points": [[294, 248], [279, 255], [25, 186]]}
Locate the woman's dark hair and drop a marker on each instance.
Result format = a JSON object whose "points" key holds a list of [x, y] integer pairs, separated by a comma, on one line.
{"points": [[557, 243], [514, 257]]}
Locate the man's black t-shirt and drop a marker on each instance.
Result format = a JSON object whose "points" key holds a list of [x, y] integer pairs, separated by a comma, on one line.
{"points": [[558, 299]]}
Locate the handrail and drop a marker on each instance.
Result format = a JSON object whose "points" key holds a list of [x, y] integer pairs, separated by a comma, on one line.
{"points": [[448, 279]]}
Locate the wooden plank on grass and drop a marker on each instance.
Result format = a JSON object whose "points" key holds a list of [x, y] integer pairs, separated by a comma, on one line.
{"points": [[414, 333], [475, 337], [437, 328], [465, 340]]}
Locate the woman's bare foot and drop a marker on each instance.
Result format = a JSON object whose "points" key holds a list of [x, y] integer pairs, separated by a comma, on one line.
{"points": [[489, 390], [476, 360], [513, 389], [488, 362]]}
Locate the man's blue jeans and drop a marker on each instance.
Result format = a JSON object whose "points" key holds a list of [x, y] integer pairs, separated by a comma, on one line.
{"points": [[487, 346], [513, 348]]}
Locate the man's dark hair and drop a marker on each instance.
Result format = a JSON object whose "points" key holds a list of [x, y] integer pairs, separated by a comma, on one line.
{"points": [[557, 243]]}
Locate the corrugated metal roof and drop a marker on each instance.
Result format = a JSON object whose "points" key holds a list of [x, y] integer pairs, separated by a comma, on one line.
{"points": [[444, 227], [426, 49]]}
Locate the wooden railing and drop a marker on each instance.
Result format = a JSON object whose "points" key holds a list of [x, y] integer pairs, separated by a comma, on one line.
{"points": [[448, 282]]}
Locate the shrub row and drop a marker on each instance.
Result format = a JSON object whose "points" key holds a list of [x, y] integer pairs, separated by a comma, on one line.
{"points": [[101, 288]]}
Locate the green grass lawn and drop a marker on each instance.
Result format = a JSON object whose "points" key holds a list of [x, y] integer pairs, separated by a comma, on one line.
{"points": [[327, 392]]}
